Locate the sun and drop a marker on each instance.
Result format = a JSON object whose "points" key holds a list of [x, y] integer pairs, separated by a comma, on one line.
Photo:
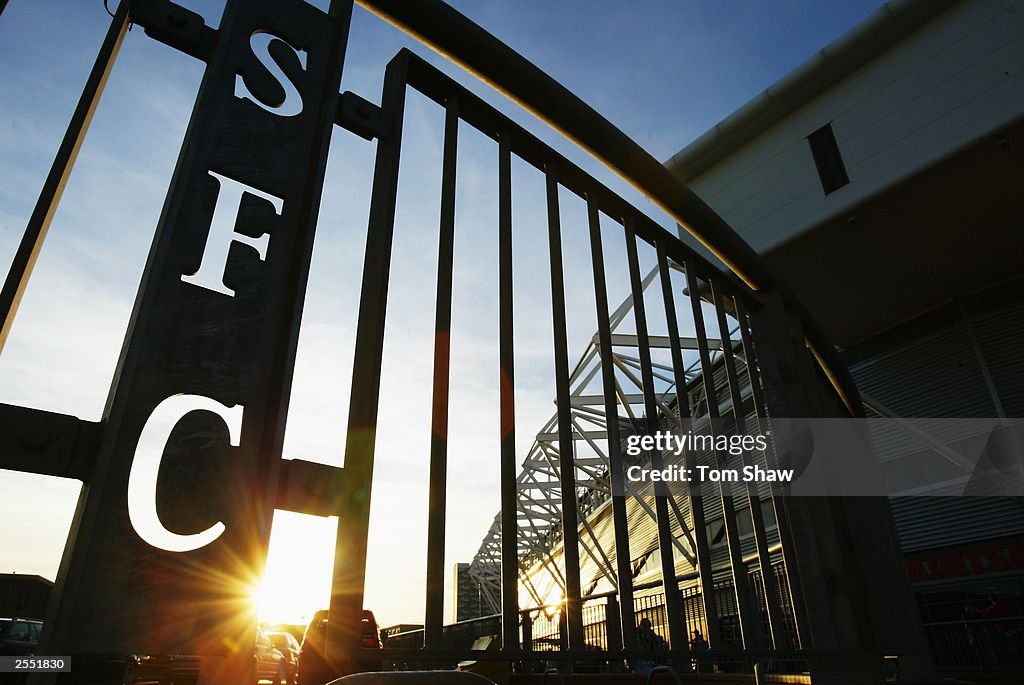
{"points": [[297, 579]]}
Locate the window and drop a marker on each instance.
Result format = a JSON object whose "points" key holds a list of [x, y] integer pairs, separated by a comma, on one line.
{"points": [[828, 159], [716, 532], [17, 631]]}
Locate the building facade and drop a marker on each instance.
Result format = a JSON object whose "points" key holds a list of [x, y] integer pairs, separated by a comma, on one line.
{"points": [[469, 601], [883, 181], [24, 596]]}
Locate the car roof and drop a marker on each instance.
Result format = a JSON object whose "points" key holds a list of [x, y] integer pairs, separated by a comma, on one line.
{"points": [[321, 615], [283, 633]]}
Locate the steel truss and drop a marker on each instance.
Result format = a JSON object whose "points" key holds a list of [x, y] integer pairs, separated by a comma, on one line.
{"points": [[538, 491]]}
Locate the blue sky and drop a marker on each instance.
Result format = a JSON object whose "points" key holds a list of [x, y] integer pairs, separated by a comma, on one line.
{"points": [[664, 72]]}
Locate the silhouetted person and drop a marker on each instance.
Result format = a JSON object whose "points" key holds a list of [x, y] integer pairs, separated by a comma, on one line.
{"points": [[699, 647], [647, 640]]}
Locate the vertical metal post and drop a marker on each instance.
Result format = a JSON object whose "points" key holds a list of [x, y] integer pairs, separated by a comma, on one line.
{"points": [[623, 562], [527, 632], [563, 628], [573, 610], [217, 328], [754, 364], [53, 187], [349, 577], [433, 624], [673, 600], [696, 502], [840, 616], [507, 409], [741, 583], [768, 584], [612, 620]]}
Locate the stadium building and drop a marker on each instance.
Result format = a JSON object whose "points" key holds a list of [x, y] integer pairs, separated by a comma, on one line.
{"points": [[882, 180]]}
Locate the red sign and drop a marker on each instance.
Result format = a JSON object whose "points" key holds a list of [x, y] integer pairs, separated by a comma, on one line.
{"points": [[966, 561]]}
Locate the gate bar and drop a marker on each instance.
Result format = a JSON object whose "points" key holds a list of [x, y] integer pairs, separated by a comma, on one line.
{"points": [[349, 575], [60, 171], [437, 499], [566, 445], [673, 600], [507, 400], [768, 582], [705, 570], [740, 579], [623, 558]]}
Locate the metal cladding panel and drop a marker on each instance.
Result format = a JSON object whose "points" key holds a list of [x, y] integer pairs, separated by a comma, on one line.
{"points": [[927, 522], [937, 375], [1000, 334], [643, 529]]}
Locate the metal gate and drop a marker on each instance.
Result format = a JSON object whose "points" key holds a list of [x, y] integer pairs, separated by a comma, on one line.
{"points": [[205, 374]]}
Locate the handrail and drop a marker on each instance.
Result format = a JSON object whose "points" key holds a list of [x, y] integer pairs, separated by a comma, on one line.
{"points": [[450, 33], [458, 38]]}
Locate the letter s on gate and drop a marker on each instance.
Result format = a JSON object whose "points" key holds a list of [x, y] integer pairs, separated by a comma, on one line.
{"points": [[146, 465], [292, 104]]}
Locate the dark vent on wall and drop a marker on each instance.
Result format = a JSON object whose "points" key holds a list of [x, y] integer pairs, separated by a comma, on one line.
{"points": [[828, 159]]}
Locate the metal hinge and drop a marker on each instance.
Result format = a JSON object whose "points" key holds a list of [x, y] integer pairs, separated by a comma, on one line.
{"points": [[175, 26], [362, 117]]}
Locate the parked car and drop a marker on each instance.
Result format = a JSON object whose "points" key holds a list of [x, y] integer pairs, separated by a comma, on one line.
{"points": [[270, 663], [295, 629], [289, 648], [19, 636], [314, 668]]}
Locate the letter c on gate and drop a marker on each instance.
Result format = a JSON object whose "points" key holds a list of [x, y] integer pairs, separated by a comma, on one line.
{"points": [[146, 465]]}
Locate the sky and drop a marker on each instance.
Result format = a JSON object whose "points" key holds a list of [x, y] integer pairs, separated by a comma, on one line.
{"points": [[662, 71]]}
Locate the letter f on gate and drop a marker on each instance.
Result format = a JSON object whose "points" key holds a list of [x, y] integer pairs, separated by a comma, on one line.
{"points": [[146, 466], [222, 233]]}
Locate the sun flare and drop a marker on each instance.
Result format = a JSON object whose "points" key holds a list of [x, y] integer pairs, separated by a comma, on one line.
{"points": [[297, 579]]}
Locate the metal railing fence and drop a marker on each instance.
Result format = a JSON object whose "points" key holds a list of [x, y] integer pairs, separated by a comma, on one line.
{"points": [[747, 333]]}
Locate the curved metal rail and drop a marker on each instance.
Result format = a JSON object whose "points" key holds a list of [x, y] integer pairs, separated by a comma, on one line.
{"points": [[452, 34]]}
